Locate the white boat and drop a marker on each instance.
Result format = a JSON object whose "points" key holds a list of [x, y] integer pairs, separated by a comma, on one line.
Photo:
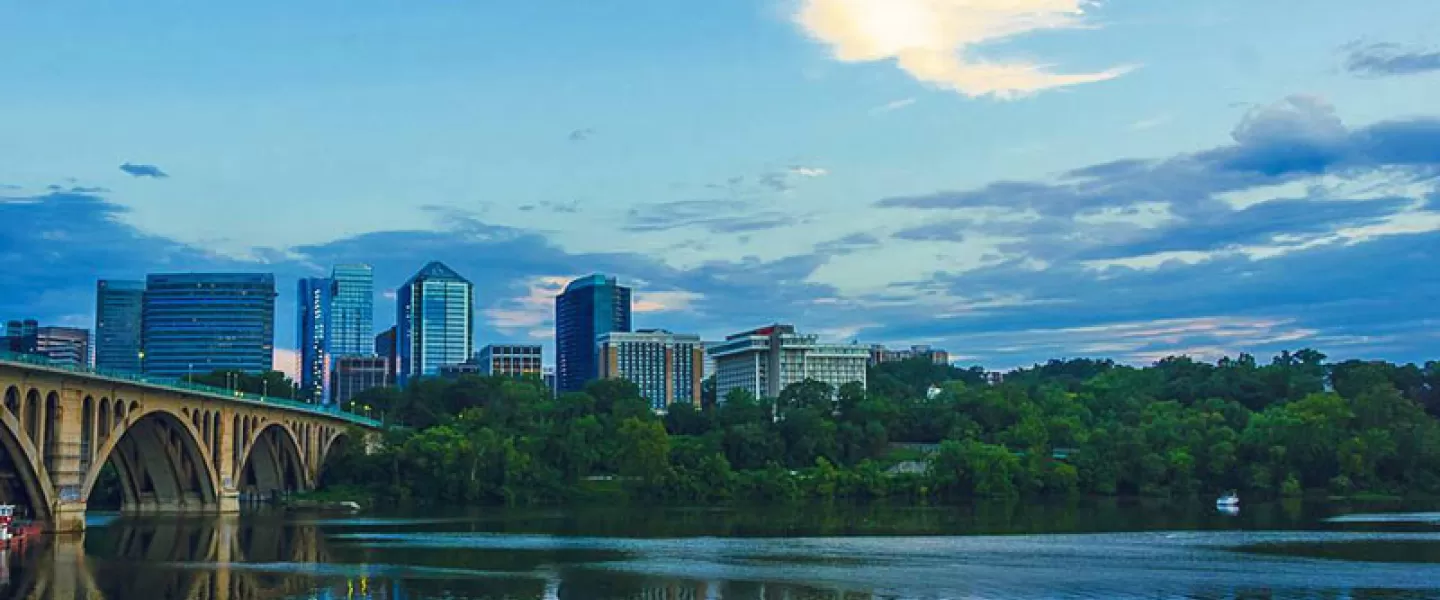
{"points": [[1229, 500]]}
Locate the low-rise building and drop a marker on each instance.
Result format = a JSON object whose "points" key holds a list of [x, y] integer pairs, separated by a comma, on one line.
{"points": [[510, 359], [667, 367], [879, 354], [356, 373], [764, 361]]}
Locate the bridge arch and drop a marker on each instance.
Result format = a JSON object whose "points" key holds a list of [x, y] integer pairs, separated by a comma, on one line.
{"points": [[272, 460], [161, 462], [33, 481], [32, 416]]}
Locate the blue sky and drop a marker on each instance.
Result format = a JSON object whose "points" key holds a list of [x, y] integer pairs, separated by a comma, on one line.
{"points": [[1011, 180]]}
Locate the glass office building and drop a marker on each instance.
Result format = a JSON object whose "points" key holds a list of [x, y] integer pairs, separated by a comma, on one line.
{"points": [[352, 313], [435, 322], [588, 308], [314, 300], [119, 305], [202, 322]]}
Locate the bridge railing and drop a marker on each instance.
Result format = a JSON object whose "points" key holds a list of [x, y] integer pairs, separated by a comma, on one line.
{"points": [[187, 386]]}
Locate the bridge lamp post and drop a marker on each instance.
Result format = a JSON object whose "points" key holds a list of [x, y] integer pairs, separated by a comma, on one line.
{"points": [[141, 355]]}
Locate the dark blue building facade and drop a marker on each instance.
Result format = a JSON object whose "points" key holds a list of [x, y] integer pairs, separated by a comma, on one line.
{"points": [[588, 307], [119, 307], [202, 322]]}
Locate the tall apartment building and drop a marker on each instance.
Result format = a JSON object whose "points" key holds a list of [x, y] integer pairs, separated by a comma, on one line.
{"points": [[354, 374], [667, 367], [510, 359], [880, 354], [201, 322], [119, 306], [764, 361], [314, 302], [588, 308], [352, 310], [435, 321]]}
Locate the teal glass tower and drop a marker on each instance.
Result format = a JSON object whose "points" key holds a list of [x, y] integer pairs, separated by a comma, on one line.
{"points": [[434, 320], [352, 312]]}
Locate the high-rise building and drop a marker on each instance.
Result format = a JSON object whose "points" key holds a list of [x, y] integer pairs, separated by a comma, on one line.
{"points": [[588, 308], [352, 314], [201, 322], [385, 348], [667, 367], [764, 361], [879, 354], [119, 305], [355, 373], [20, 336], [68, 346], [510, 359], [315, 336], [435, 321]]}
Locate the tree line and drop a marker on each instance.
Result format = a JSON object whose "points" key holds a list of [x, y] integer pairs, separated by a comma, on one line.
{"points": [[921, 432]]}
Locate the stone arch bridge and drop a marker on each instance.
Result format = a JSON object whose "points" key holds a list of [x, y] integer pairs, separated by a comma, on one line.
{"points": [[176, 448]]}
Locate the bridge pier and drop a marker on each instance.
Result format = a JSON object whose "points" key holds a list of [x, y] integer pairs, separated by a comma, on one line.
{"points": [[66, 517]]}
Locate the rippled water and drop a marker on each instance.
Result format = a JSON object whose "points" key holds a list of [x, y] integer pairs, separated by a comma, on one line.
{"points": [[1118, 551]]}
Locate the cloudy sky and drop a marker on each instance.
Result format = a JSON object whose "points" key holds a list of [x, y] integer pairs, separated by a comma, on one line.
{"points": [[1012, 180]]}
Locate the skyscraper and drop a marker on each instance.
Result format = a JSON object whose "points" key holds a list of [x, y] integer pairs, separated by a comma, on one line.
{"points": [[352, 315], [314, 301], [435, 321], [587, 308], [201, 322], [118, 307]]}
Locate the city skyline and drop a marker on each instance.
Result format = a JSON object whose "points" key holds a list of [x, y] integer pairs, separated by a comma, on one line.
{"points": [[1194, 178]]}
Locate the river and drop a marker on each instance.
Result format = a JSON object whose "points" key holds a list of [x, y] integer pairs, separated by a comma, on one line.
{"points": [[1087, 549]]}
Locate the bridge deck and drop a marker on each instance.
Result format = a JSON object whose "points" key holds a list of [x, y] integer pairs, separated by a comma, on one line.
{"points": [[163, 383]]}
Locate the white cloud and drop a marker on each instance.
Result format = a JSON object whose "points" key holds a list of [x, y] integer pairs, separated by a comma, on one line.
{"points": [[531, 311], [892, 106], [1149, 123], [653, 302], [809, 171], [933, 40]]}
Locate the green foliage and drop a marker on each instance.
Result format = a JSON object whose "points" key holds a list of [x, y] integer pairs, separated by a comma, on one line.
{"points": [[1179, 427]]}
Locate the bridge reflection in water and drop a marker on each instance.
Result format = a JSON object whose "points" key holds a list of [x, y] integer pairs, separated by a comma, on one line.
{"points": [[229, 558]]}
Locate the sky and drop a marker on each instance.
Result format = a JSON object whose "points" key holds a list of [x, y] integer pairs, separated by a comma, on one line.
{"points": [[1011, 180]]}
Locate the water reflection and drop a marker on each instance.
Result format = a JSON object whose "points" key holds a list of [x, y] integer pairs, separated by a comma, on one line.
{"points": [[275, 557]]}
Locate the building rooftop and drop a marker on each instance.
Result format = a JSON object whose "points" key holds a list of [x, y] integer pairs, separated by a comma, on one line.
{"points": [[436, 270], [591, 280]]}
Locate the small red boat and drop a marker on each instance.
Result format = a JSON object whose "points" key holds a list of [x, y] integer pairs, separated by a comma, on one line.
{"points": [[12, 532]]}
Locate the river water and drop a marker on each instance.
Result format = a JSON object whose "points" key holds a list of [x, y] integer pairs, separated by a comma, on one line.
{"points": [[1085, 549]]}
